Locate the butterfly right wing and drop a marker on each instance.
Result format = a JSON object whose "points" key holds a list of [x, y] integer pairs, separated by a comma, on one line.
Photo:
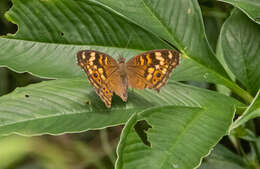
{"points": [[100, 69], [151, 69]]}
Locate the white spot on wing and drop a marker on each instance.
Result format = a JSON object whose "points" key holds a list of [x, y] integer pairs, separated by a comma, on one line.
{"points": [[83, 55], [169, 55]]}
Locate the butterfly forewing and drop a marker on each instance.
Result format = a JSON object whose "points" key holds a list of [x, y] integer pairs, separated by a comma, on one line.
{"points": [[99, 68], [151, 69]]}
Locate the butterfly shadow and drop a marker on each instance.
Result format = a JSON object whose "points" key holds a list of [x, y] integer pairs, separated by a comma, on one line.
{"points": [[96, 104], [134, 101]]}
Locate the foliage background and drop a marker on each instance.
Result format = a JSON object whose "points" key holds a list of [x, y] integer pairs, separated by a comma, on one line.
{"points": [[96, 149]]}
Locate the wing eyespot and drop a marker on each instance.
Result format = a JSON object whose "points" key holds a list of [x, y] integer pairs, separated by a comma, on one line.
{"points": [[158, 75], [95, 75]]}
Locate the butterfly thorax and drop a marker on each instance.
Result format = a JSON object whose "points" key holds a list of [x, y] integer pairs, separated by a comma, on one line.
{"points": [[121, 60], [122, 68]]}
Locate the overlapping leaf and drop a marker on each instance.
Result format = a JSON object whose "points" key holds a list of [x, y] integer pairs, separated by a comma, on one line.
{"points": [[174, 21], [240, 41], [249, 7]]}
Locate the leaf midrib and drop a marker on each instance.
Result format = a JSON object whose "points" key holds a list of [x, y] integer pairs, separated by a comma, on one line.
{"points": [[64, 113], [73, 45]]}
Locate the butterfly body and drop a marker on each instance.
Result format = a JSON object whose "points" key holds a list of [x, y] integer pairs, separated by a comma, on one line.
{"points": [[122, 68], [123, 93], [147, 70]]}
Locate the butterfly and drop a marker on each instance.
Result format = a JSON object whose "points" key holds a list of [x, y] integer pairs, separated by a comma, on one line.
{"points": [[151, 70]]}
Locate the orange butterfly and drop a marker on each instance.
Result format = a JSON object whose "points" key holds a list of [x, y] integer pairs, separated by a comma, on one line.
{"points": [[147, 70]]}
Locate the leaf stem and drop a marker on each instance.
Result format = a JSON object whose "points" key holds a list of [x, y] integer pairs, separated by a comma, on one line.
{"points": [[241, 92], [237, 145], [227, 82]]}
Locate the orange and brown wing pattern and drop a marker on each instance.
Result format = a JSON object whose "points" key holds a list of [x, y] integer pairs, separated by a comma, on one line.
{"points": [[99, 67], [151, 69]]}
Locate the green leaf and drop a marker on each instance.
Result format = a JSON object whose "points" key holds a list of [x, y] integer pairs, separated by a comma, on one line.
{"points": [[249, 7], [47, 39], [179, 22], [179, 136], [51, 32], [60, 106], [239, 40], [252, 111], [221, 157]]}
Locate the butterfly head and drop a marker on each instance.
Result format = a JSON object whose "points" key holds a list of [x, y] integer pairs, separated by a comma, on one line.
{"points": [[121, 60]]}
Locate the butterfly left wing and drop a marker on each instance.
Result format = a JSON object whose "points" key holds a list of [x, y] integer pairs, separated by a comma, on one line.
{"points": [[99, 68], [151, 69]]}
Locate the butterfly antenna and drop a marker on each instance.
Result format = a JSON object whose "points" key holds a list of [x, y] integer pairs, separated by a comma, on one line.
{"points": [[128, 41]]}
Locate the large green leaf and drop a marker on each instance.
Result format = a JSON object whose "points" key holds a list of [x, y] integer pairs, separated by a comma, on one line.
{"points": [[60, 106], [179, 22], [179, 136], [240, 41], [47, 39], [51, 32], [249, 7]]}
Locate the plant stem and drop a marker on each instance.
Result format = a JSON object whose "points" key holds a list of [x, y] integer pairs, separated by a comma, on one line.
{"points": [[241, 151], [106, 146], [241, 92]]}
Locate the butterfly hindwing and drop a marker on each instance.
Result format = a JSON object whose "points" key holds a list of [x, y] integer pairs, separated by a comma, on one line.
{"points": [[99, 67], [151, 69]]}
